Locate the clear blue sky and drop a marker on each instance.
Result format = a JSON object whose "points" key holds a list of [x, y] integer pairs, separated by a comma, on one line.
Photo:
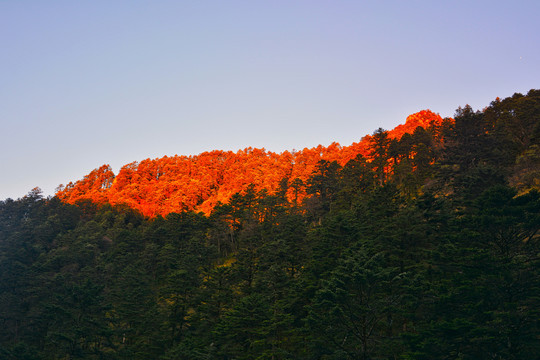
{"points": [[85, 83]]}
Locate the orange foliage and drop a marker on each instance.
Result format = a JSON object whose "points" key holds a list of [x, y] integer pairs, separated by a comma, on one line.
{"points": [[172, 184], [424, 118]]}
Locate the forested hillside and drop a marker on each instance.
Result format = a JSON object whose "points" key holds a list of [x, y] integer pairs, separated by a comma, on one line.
{"points": [[421, 243], [179, 183]]}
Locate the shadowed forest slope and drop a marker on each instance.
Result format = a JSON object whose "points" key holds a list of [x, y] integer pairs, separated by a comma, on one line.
{"points": [[421, 243]]}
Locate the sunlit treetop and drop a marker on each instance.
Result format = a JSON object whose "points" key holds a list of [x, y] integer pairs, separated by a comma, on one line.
{"points": [[177, 183]]}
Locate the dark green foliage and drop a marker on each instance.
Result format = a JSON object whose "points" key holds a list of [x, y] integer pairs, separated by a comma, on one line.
{"points": [[355, 313], [428, 250]]}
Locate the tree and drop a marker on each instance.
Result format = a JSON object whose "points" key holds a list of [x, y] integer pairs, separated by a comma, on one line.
{"points": [[355, 312], [380, 145]]}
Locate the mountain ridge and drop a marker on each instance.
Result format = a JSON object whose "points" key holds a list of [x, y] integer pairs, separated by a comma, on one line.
{"points": [[199, 182]]}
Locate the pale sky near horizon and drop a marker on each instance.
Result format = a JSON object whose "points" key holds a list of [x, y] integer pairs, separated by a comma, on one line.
{"points": [[87, 83]]}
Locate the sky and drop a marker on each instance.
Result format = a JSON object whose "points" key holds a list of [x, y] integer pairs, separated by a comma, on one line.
{"points": [[87, 83]]}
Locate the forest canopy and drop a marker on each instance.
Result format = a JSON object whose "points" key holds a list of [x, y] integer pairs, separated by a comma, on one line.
{"points": [[421, 242], [178, 183]]}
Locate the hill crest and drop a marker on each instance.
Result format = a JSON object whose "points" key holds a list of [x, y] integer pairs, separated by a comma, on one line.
{"points": [[199, 182]]}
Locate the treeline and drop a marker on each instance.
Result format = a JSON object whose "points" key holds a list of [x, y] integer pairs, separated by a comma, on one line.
{"points": [[428, 248], [179, 183]]}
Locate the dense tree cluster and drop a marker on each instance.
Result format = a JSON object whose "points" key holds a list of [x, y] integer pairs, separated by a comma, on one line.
{"points": [[425, 247], [180, 183]]}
